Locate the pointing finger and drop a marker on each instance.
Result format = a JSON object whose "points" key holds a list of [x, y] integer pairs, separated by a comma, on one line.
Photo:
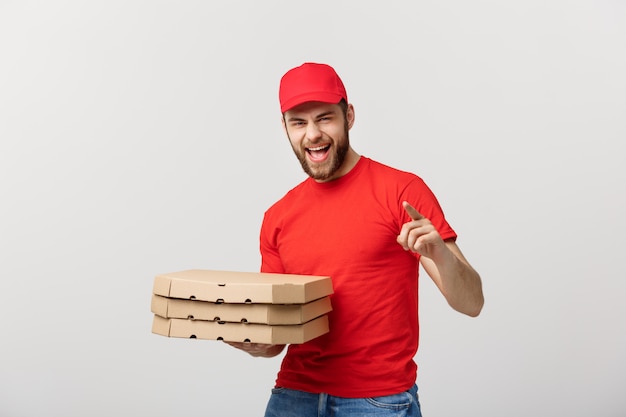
{"points": [[414, 214]]}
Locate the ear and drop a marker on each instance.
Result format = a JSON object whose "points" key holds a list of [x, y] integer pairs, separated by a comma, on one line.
{"points": [[350, 115]]}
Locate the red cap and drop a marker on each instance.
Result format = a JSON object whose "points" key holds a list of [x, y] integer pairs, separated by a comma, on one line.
{"points": [[310, 82]]}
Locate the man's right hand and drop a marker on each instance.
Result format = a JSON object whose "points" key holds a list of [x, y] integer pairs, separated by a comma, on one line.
{"points": [[261, 350]]}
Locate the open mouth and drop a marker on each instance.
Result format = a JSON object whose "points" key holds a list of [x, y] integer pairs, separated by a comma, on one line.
{"points": [[319, 153]]}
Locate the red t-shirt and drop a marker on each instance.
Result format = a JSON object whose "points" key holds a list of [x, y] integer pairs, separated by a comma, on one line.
{"points": [[347, 229]]}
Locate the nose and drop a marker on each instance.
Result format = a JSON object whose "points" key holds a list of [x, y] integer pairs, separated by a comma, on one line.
{"points": [[313, 132]]}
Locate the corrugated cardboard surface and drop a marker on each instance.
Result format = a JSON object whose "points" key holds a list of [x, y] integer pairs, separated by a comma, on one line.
{"points": [[240, 332], [242, 287], [250, 313]]}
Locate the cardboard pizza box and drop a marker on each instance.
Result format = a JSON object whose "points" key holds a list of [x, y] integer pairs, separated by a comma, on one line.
{"points": [[242, 287], [246, 313], [240, 332]]}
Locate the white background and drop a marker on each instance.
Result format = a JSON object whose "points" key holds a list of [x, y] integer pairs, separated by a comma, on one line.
{"points": [[142, 137]]}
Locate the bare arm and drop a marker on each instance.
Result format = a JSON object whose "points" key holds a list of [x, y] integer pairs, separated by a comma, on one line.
{"points": [[260, 350], [459, 283]]}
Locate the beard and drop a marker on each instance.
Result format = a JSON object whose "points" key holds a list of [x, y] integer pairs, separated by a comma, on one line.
{"points": [[326, 170]]}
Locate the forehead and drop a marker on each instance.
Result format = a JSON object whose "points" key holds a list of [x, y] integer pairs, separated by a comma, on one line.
{"points": [[312, 108]]}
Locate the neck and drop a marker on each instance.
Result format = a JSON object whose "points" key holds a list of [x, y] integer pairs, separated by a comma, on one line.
{"points": [[348, 163]]}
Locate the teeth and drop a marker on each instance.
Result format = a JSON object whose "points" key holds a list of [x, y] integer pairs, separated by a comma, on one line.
{"points": [[319, 148]]}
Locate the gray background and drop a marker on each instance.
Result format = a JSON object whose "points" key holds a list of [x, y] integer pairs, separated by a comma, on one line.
{"points": [[142, 137]]}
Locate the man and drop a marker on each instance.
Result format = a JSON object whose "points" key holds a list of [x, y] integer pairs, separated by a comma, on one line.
{"points": [[367, 226]]}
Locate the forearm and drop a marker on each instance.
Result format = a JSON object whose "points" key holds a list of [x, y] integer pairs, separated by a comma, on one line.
{"points": [[459, 283], [259, 350], [270, 352], [461, 286]]}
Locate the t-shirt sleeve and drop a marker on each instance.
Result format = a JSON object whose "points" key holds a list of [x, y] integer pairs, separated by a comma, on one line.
{"points": [[420, 196], [270, 258]]}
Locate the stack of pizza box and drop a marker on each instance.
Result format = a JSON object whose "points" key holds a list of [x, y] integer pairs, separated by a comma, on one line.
{"points": [[241, 306]]}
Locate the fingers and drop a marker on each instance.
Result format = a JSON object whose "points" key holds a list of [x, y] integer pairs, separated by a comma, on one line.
{"points": [[409, 237], [249, 347], [414, 214], [257, 349]]}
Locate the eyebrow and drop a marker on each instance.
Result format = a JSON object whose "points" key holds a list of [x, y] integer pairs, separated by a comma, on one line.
{"points": [[326, 113], [323, 114]]}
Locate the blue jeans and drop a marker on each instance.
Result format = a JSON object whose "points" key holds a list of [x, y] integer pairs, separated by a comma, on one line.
{"points": [[290, 403]]}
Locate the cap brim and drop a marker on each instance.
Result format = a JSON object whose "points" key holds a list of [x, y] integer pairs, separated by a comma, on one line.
{"points": [[323, 97]]}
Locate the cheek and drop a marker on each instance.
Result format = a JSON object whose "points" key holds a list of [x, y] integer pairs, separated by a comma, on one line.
{"points": [[295, 143], [296, 146], [337, 134], [293, 138]]}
